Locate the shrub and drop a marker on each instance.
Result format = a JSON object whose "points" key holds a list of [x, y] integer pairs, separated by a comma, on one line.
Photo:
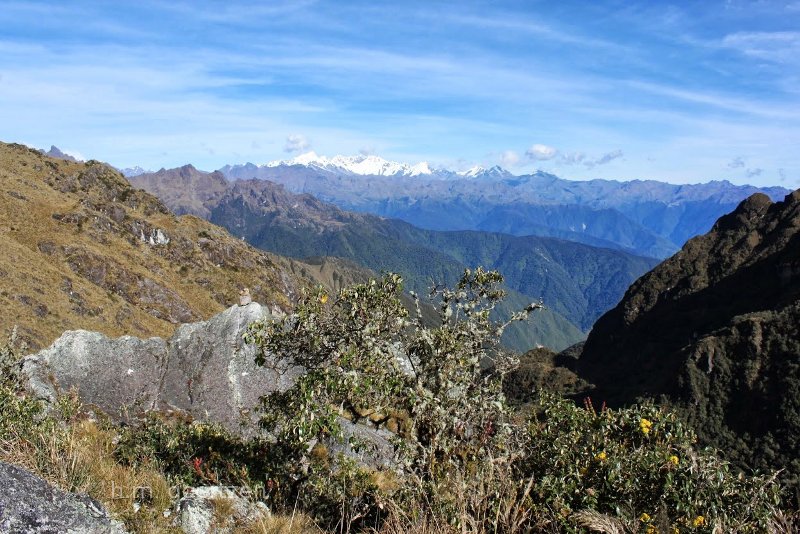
{"points": [[366, 360], [639, 466], [460, 459]]}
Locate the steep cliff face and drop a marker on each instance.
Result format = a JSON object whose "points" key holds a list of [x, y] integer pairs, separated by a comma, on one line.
{"points": [[715, 329]]}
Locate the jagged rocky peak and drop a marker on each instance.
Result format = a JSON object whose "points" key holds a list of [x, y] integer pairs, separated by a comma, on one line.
{"points": [[55, 152]]}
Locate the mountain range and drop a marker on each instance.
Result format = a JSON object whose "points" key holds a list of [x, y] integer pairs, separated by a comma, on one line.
{"points": [[576, 282], [643, 217]]}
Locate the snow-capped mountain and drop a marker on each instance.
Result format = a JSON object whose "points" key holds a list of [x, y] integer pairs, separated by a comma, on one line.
{"points": [[481, 172], [130, 172], [362, 165]]}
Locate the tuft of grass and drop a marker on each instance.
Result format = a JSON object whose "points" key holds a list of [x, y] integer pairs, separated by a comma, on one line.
{"points": [[296, 523]]}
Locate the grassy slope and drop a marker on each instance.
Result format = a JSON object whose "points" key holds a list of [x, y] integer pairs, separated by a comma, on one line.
{"points": [[73, 256]]}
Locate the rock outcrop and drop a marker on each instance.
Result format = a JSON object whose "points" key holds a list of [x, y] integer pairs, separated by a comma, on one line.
{"points": [[204, 369], [217, 509], [716, 330], [29, 504]]}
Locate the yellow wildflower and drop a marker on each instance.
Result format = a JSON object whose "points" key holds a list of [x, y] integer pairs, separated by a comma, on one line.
{"points": [[645, 425], [699, 521], [651, 529], [600, 456], [674, 460], [645, 518], [323, 298]]}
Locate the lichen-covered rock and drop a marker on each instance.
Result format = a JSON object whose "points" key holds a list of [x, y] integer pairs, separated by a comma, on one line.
{"points": [[29, 504], [204, 369], [217, 509]]}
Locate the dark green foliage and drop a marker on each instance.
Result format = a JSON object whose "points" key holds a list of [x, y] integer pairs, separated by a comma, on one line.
{"points": [[713, 331], [197, 454], [20, 417], [640, 466]]}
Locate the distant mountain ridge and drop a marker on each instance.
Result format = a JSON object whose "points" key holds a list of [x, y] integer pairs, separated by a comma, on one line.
{"points": [[576, 281], [56, 152], [644, 217]]}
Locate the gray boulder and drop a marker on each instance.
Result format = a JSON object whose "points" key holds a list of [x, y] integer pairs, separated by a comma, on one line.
{"points": [[217, 509], [29, 504], [204, 369]]}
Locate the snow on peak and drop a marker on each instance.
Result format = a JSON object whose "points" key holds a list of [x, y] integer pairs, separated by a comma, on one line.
{"points": [[482, 172], [472, 173], [363, 165]]}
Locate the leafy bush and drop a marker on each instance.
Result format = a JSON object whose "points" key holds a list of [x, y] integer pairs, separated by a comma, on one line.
{"points": [[639, 466], [191, 453], [460, 459], [365, 360]]}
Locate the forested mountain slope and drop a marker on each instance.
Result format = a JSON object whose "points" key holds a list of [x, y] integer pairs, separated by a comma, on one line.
{"points": [[715, 329]]}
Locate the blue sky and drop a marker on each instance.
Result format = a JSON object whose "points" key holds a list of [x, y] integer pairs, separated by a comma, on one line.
{"points": [[684, 92]]}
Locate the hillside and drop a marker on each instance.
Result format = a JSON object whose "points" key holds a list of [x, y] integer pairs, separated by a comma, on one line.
{"points": [[84, 249], [714, 329], [644, 217]]}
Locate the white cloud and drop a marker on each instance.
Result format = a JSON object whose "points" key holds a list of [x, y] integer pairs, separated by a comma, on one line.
{"points": [[509, 158], [366, 150], [296, 143], [754, 172], [539, 152], [75, 154], [573, 159]]}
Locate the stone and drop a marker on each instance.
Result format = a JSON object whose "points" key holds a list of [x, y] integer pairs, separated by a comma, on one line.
{"points": [[204, 369], [217, 509], [29, 504]]}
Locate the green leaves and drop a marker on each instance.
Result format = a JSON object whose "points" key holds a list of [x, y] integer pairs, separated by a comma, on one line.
{"points": [[460, 454]]}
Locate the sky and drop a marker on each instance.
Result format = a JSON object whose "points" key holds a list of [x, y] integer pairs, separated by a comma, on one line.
{"points": [[681, 92]]}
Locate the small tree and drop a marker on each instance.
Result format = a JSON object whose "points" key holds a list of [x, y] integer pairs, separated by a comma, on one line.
{"points": [[438, 387]]}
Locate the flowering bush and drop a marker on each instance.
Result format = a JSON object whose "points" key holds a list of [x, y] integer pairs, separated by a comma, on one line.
{"points": [[460, 456], [638, 465]]}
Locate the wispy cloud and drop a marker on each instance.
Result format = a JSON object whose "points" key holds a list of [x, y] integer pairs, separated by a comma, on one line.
{"points": [[778, 47], [509, 158], [736, 163], [580, 158], [192, 78]]}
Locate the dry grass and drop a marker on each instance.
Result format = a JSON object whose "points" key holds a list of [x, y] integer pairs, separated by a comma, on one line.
{"points": [[79, 458], [597, 522], [282, 524]]}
